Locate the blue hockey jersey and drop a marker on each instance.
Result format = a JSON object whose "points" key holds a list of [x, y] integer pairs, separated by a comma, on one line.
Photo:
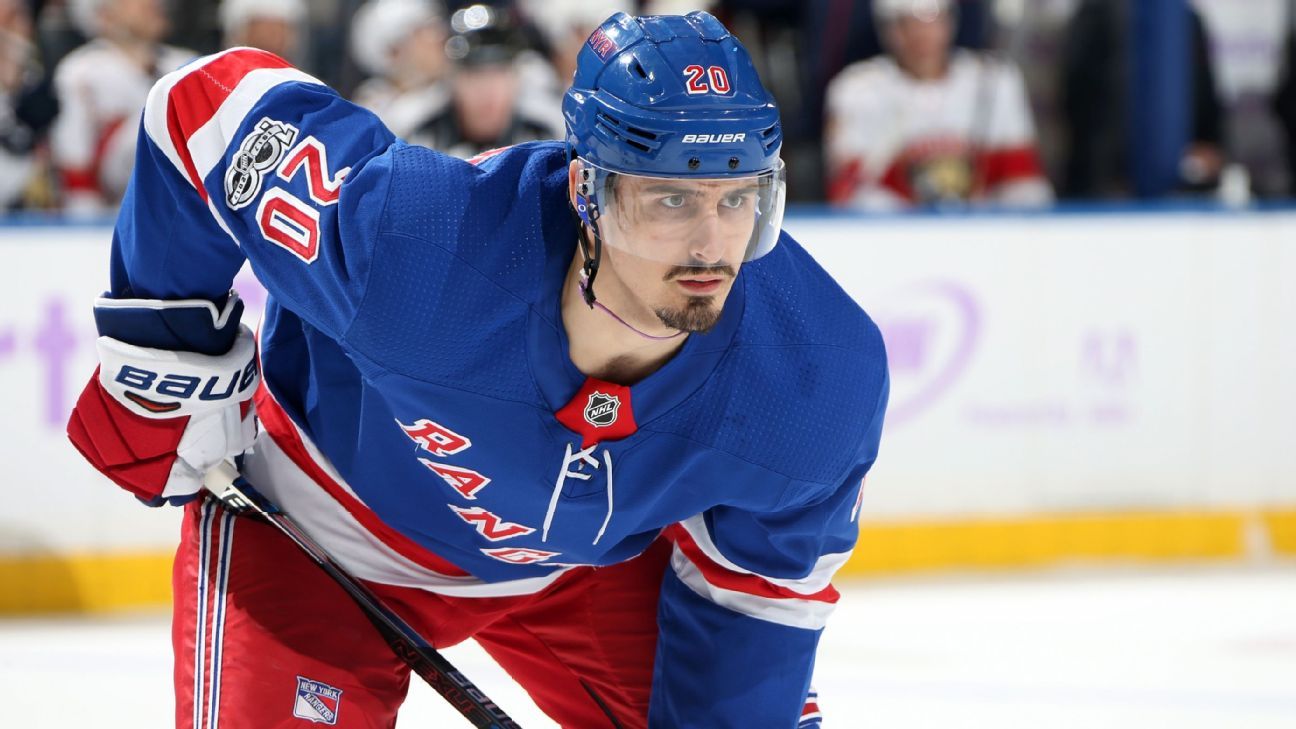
{"points": [[417, 367]]}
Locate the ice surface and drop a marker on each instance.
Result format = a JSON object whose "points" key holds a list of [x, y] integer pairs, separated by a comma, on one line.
{"points": [[1194, 648]]}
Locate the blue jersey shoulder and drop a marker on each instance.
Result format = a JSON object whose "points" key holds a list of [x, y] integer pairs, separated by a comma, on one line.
{"points": [[463, 252]]}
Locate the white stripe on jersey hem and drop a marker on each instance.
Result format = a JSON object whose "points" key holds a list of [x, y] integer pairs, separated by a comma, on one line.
{"points": [[792, 612], [357, 549], [820, 576]]}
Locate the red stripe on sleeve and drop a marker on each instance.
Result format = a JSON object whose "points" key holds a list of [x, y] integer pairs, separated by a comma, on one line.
{"points": [[737, 581], [194, 100]]}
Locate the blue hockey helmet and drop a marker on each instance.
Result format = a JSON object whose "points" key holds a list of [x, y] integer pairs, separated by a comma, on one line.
{"points": [[674, 97]]}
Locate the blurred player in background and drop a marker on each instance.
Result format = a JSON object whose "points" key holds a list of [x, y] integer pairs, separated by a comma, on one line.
{"points": [[17, 135], [271, 25], [928, 124], [401, 45], [101, 88], [581, 400], [500, 91], [566, 24]]}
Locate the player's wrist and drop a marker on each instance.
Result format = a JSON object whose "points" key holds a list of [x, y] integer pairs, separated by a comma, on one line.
{"points": [[183, 325]]}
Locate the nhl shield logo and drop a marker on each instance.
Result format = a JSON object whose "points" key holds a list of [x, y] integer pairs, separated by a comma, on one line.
{"points": [[317, 702], [601, 410]]}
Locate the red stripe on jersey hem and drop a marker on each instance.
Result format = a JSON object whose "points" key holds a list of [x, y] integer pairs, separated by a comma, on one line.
{"points": [[284, 433], [726, 578], [194, 99]]}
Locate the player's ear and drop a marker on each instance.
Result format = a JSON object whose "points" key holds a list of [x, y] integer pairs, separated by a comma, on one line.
{"points": [[573, 175]]}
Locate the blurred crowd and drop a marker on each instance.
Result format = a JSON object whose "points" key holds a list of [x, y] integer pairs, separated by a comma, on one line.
{"points": [[887, 104]]}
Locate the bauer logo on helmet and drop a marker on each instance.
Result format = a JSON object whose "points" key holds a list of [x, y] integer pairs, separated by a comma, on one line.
{"points": [[714, 138]]}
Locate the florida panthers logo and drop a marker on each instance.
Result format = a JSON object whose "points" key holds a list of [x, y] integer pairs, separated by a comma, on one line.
{"points": [[259, 153], [601, 410]]}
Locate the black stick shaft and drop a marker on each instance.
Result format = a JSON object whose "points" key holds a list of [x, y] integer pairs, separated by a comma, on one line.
{"points": [[240, 497]]}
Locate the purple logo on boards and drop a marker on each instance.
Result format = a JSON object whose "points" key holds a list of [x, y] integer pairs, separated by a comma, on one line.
{"points": [[931, 331], [59, 335]]}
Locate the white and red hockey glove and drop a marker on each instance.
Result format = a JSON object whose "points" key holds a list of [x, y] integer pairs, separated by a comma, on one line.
{"points": [[172, 396]]}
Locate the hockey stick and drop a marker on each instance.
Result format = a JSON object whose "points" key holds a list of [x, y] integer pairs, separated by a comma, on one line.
{"points": [[232, 490]]}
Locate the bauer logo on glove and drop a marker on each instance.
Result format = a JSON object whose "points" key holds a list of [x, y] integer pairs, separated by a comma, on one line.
{"points": [[166, 384], [139, 381]]}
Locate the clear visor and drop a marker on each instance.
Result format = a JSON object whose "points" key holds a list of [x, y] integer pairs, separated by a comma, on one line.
{"points": [[686, 221]]}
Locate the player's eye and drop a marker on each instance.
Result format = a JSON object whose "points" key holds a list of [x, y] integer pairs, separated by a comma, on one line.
{"points": [[673, 201], [734, 200]]}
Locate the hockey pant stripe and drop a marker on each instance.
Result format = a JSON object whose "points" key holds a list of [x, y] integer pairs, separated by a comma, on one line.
{"points": [[216, 536]]}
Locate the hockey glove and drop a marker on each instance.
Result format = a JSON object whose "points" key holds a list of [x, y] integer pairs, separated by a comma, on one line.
{"points": [[172, 396]]}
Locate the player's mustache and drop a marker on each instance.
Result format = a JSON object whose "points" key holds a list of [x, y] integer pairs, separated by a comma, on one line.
{"points": [[722, 269]]}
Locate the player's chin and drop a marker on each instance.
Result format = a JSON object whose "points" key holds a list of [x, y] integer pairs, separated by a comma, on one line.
{"points": [[697, 314]]}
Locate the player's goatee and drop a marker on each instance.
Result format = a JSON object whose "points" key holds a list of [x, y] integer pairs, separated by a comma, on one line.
{"points": [[699, 315]]}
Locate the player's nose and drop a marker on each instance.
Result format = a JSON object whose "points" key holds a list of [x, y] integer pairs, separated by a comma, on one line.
{"points": [[706, 241]]}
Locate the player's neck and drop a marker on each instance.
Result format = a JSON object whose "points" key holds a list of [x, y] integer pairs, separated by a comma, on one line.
{"points": [[926, 71], [607, 349]]}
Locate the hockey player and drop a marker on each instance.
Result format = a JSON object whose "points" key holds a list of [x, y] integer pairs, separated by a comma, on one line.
{"points": [[271, 25], [101, 87], [582, 401], [929, 125], [499, 92], [401, 45]]}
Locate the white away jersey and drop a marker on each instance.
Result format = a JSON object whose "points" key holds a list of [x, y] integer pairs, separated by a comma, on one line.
{"points": [[101, 92], [893, 140]]}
